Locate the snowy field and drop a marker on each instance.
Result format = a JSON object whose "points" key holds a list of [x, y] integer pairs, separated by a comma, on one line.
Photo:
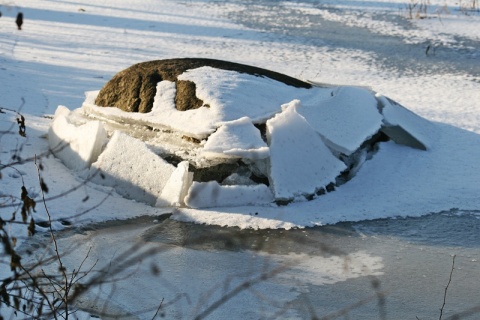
{"points": [[429, 64]]}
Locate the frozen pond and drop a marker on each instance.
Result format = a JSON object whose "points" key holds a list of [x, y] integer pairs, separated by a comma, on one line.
{"points": [[388, 268], [389, 52]]}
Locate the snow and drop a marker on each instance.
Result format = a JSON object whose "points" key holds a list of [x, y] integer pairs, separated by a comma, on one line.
{"points": [[345, 120], [300, 162], [237, 138], [78, 146], [304, 151], [176, 188], [223, 94], [439, 22], [297, 156], [420, 131]]}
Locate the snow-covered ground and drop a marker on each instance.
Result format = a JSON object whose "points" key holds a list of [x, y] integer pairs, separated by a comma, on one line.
{"points": [[66, 48]]}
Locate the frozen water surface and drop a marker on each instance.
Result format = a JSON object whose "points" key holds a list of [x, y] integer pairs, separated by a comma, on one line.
{"points": [[390, 268]]}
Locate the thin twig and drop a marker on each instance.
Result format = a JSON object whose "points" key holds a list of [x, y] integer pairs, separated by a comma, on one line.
{"points": [[158, 309], [37, 286], [446, 288], [55, 244]]}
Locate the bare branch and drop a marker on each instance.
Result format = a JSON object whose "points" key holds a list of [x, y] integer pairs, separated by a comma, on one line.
{"points": [[446, 288]]}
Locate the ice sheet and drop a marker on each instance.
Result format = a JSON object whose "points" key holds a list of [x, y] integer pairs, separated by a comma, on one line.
{"points": [[132, 169], [345, 120], [300, 162], [77, 147]]}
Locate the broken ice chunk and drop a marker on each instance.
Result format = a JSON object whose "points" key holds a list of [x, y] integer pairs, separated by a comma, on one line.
{"points": [[132, 169], [212, 194], [345, 120], [405, 127], [176, 188], [300, 162], [76, 146], [237, 139]]}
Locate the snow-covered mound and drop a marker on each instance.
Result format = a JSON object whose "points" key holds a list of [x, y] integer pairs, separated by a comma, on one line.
{"points": [[255, 140]]}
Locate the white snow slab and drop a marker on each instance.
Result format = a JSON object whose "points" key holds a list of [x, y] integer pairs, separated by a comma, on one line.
{"points": [[232, 95], [212, 194], [300, 162], [176, 188], [76, 146], [132, 169], [405, 127], [237, 139], [345, 120]]}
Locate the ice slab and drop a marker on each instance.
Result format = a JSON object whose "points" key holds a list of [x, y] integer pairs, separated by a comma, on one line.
{"points": [[348, 118], [76, 146], [176, 188], [405, 127], [237, 139], [132, 169], [231, 95], [212, 194], [300, 162]]}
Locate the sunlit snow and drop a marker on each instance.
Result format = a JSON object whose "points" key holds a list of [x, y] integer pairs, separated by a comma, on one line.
{"points": [[135, 171], [346, 119], [300, 161], [77, 146]]}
